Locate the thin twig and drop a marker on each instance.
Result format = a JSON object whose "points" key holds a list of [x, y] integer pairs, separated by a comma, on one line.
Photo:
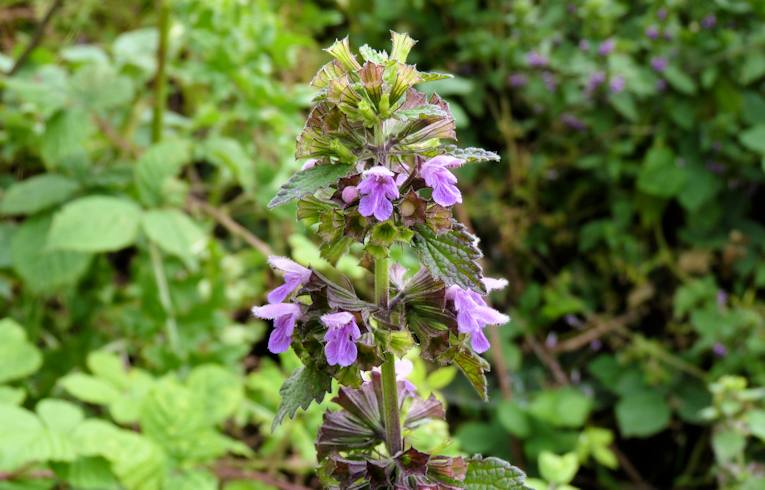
{"points": [[227, 473], [228, 223], [630, 469], [599, 330], [114, 137], [548, 360], [26, 474], [37, 36]]}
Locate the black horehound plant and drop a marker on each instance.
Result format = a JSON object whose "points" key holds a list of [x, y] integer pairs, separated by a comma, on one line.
{"points": [[379, 155]]}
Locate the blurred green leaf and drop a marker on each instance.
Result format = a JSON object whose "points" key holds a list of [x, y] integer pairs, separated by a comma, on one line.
{"points": [[95, 224]]}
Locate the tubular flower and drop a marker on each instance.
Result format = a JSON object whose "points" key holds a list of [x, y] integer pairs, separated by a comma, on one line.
{"points": [[473, 314], [295, 275], [342, 333], [284, 316], [404, 368], [436, 174], [377, 188]]}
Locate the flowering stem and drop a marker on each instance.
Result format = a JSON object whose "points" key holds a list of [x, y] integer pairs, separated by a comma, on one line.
{"points": [[393, 439]]}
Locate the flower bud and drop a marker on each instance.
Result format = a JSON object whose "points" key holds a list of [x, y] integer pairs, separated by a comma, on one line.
{"points": [[350, 193], [407, 208]]}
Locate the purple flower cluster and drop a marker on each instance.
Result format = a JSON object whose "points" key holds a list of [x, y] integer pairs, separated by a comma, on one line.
{"points": [[377, 188], [436, 174], [536, 60], [659, 63], [606, 47], [473, 314], [342, 334]]}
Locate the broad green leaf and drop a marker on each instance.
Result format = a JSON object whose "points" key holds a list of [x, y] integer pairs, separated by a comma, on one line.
{"points": [[88, 473], [44, 270], [220, 390], [493, 474], [18, 356], [7, 231], [513, 418], [63, 142], [303, 387], [95, 224], [109, 367], [642, 414], [59, 415], [756, 421], [19, 431], [679, 80], [701, 186], [192, 480], [754, 139], [156, 170], [474, 367], [174, 232], [660, 174], [470, 154], [728, 445], [309, 181], [558, 469], [89, 389], [228, 154], [451, 256], [37, 193], [12, 396], [100, 87], [563, 407], [753, 67]]}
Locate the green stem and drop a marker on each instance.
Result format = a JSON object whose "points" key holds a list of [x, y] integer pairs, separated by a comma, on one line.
{"points": [[171, 328], [160, 81], [393, 440]]}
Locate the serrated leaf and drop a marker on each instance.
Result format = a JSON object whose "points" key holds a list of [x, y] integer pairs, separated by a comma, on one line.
{"points": [[469, 155], [426, 110], [309, 181], [494, 474], [44, 270], [95, 224], [303, 387], [221, 390], [89, 389], [369, 54], [451, 256], [474, 367], [156, 170], [18, 357], [431, 76], [37, 193], [174, 232]]}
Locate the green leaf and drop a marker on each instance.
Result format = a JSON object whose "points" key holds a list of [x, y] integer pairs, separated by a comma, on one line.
{"points": [[100, 87], [63, 143], [642, 414], [451, 256], [470, 155], [753, 67], [679, 80], [89, 473], [513, 418], [563, 407], [18, 357], [728, 445], [227, 153], [754, 139], [156, 170], [309, 181], [369, 54], [303, 387], [558, 469], [426, 110], [756, 421], [95, 224], [474, 368], [493, 474], [89, 389], [19, 430], [37, 193], [660, 175], [12, 396], [174, 232], [7, 230], [44, 270], [220, 390]]}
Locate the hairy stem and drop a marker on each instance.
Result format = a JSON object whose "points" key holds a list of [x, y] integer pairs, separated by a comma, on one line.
{"points": [[160, 81], [393, 439]]}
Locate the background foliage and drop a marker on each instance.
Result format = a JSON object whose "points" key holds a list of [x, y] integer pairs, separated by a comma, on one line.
{"points": [[624, 214]]}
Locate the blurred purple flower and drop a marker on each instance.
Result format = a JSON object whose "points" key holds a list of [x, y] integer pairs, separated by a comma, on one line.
{"points": [[573, 321], [652, 32], [659, 63], [584, 45], [617, 84], [551, 340], [350, 193], [437, 176], [517, 80], [661, 85], [719, 349], [573, 122], [722, 298], [550, 81], [715, 167], [295, 275], [378, 188], [595, 81], [473, 314], [606, 47], [596, 345], [536, 60], [284, 316], [709, 21], [311, 163], [342, 333], [662, 14]]}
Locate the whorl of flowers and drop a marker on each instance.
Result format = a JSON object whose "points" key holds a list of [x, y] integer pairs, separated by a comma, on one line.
{"points": [[380, 173]]}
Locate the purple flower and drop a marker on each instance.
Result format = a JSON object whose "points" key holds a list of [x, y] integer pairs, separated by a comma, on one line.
{"points": [[573, 122], [722, 298], [606, 47], [616, 84], [719, 349], [536, 60], [584, 45], [659, 63], [551, 340], [377, 188], [709, 21], [595, 80], [404, 368], [295, 275], [715, 167], [652, 32], [350, 193], [550, 81], [517, 80], [437, 176], [309, 164], [284, 316], [342, 333], [662, 14], [473, 314]]}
